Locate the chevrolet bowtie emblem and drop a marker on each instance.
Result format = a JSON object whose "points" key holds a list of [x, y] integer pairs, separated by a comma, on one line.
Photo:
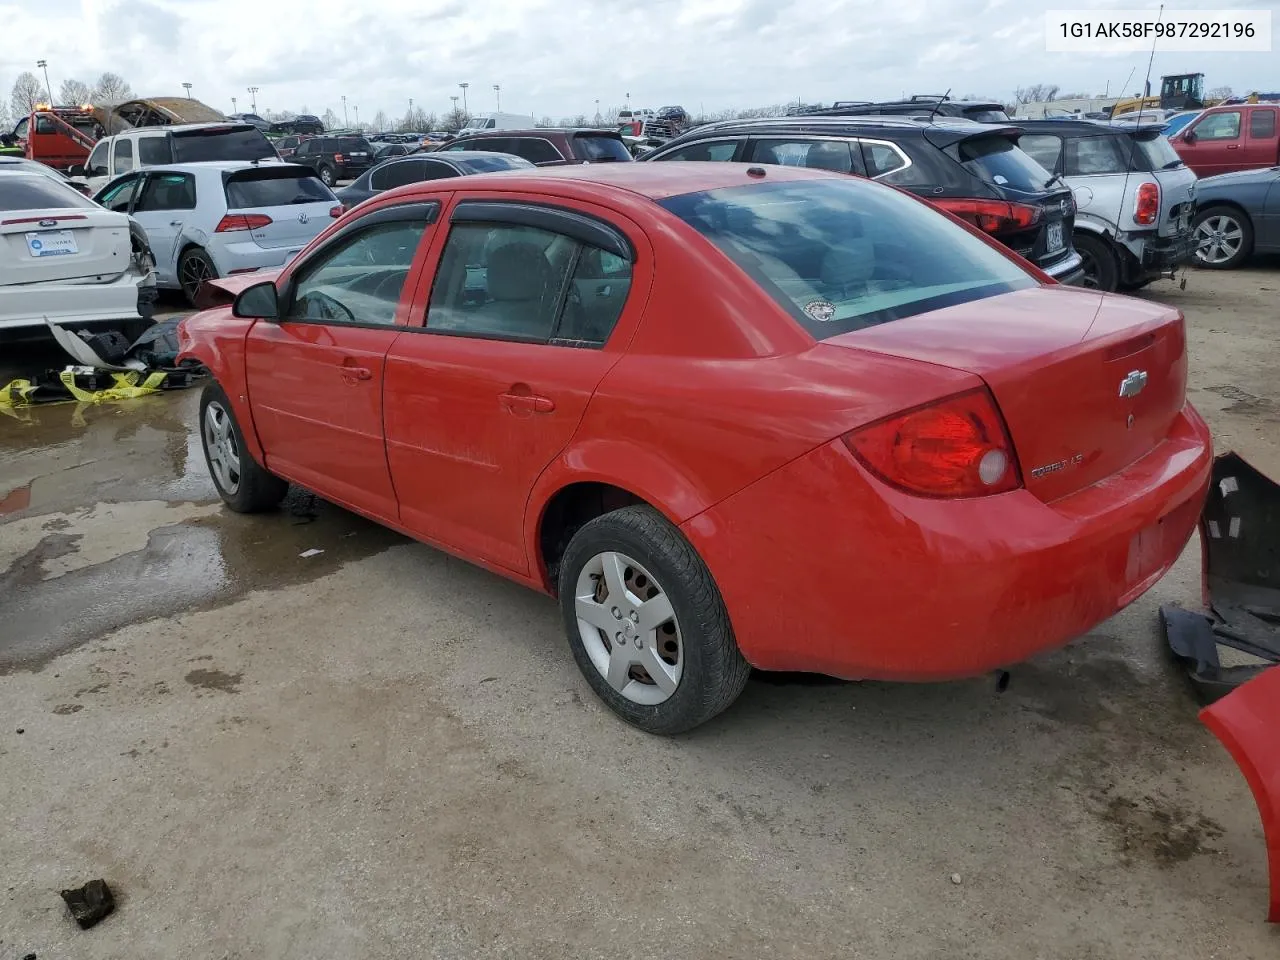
{"points": [[1133, 384]]}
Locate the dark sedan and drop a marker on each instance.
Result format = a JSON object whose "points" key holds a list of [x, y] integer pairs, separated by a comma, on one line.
{"points": [[416, 168], [1237, 214]]}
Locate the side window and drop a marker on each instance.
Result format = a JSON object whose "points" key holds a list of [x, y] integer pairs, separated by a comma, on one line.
{"points": [[882, 159], [124, 155], [1219, 126], [501, 280], [117, 196], [719, 151], [396, 174], [153, 151], [44, 125], [1090, 156], [597, 293], [432, 170], [834, 155], [1044, 149], [360, 280], [96, 165], [1262, 123], [167, 191], [533, 149]]}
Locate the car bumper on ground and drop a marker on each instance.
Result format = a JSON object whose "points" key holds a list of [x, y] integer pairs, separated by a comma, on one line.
{"points": [[823, 568], [129, 297]]}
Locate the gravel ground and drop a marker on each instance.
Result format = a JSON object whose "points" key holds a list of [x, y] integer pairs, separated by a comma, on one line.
{"points": [[382, 751]]}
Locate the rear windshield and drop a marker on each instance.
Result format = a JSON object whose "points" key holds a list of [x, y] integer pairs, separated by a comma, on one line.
{"points": [[352, 145], [999, 160], [982, 115], [1157, 151], [597, 149], [32, 192], [841, 255], [274, 188], [199, 146]]}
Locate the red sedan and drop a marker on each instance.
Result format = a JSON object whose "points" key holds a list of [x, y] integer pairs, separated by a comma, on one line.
{"points": [[729, 415]]}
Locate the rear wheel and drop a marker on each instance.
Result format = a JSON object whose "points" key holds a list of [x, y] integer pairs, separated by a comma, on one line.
{"points": [[327, 176], [1224, 238], [1101, 268], [646, 623], [195, 268], [244, 486]]}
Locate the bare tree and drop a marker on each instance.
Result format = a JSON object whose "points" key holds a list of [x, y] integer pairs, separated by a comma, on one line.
{"points": [[1037, 93], [110, 90], [428, 122], [1219, 93], [330, 120], [27, 92], [454, 120], [380, 121], [73, 92], [545, 122]]}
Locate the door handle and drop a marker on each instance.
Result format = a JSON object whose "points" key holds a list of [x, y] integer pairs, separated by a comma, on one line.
{"points": [[175, 223], [352, 373], [1233, 146], [527, 403]]}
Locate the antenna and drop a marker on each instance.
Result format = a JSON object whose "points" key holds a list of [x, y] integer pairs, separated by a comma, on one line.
{"points": [[933, 112]]}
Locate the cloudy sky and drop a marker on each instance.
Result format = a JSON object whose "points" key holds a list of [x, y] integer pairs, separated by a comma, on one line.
{"points": [[558, 57]]}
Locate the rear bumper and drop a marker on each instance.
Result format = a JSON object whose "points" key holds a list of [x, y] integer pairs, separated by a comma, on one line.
{"points": [[1069, 270], [130, 297], [825, 569], [246, 256]]}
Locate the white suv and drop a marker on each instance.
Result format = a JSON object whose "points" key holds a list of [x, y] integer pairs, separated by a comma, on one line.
{"points": [[144, 147]]}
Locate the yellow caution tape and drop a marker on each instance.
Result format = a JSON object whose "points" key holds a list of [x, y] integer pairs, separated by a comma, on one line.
{"points": [[17, 393], [126, 388]]}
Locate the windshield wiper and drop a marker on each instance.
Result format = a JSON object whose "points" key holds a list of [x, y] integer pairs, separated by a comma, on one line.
{"points": [[1048, 183], [1172, 163]]}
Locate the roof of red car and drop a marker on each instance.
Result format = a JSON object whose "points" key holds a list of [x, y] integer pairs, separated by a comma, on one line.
{"points": [[656, 181]]}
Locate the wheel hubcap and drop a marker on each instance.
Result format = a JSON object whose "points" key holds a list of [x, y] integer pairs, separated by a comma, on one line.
{"points": [[220, 448], [1218, 239], [629, 629]]}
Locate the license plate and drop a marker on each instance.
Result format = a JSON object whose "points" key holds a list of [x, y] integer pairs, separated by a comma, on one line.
{"points": [[52, 243], [1053, 241]]}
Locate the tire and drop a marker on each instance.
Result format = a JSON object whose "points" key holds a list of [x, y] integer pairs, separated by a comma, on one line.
{"points": [[195, 267], [1101, 267], [702, 669], [244, 485], [326, 175], [1224, 237]]}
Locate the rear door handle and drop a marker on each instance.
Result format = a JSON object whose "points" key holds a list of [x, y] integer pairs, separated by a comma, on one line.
{"points": [[1233, 146], [527, 403], [175, 223]]}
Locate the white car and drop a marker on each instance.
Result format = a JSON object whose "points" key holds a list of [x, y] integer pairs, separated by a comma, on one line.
{"points": [[64, 258], [210, 220]]}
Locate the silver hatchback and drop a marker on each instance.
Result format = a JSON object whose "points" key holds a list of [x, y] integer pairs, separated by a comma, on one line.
{"points": [[210, 220], [1135, 198]]}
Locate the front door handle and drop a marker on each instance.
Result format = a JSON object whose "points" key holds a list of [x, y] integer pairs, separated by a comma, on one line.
{"points": [[1233, 146], [353, 373], [527, 403], [175, 223]]}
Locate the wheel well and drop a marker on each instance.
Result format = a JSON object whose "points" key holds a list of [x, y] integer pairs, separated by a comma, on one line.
{"points": [[567, 512], [1230, 205], [188, 247]]}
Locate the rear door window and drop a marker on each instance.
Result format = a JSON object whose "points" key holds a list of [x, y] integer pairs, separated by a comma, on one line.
{"points": [[998, 160], [718, 151], [1219, 126], [153, 151], [599, 148], [274, 187], [167, 191], [837, 155], [1092, 156], [533, 149], [124, 155], [883, 159], [1044, 149], [1262, 123], [397, 174]]}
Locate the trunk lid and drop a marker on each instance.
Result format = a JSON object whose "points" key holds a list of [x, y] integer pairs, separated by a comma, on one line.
{"points": [[299, 205], [1087, 383], [40, 246]]}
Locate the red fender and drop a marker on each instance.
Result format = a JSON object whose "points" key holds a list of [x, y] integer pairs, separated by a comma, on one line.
{"points": [[1247, 721]]}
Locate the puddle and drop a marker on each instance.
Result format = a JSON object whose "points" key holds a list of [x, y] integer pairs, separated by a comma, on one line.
{"points": [[120, 523]]}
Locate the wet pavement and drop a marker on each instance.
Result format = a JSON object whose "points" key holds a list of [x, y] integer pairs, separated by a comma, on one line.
{"points": [[110, 517]]}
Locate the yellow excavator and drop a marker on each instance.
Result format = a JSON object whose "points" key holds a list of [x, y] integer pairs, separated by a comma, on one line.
{"points": [[1178, 91]]}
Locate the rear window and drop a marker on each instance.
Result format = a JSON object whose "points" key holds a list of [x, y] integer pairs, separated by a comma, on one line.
{"points": [[274, 188], [350, 145], [987, 116], [842, 255], [599, 149], [199, 146], [998, 160], [1157, 151], [23, 192]]}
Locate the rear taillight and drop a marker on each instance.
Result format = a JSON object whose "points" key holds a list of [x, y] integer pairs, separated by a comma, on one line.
{"points": [[242, 221], [956, 447], [337, 211], [337, 158], [1146, 208], [991, 216]]}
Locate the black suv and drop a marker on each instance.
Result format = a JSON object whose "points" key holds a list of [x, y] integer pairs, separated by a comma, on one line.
{"points": [[920, 105], [972, 170], [304, 124], [334, 158]]}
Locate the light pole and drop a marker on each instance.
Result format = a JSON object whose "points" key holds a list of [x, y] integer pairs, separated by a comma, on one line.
{"points": [[357, 110], [345, 121], [233, 104], [253, 92], [187, 87], [44, 65], [497, 96], [597, 109], [464, 95]]}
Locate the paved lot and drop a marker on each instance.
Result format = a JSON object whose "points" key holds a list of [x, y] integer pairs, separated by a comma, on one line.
{"points": [[381, 751]]}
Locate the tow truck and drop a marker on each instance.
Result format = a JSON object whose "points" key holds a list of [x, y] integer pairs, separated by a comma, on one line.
{"points": [[59, 137]]}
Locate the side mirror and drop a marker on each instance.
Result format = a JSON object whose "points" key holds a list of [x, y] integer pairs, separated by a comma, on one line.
{"points": [[1189, 136], [76, 170], [258, 302]]}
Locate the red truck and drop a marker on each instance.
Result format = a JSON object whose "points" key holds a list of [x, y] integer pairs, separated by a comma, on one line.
{"points": [[57, 136], [1240, 136]]}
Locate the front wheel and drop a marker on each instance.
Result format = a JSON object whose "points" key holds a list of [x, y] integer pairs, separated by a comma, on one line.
{"points": [[1224, 238], [646, 623], [244, 486]]}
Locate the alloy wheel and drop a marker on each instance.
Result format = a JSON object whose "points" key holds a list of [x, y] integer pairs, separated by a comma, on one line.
{"points": [[1218, 239], [195, 271], [629, 628], [1090, 266], [221, 449]]}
